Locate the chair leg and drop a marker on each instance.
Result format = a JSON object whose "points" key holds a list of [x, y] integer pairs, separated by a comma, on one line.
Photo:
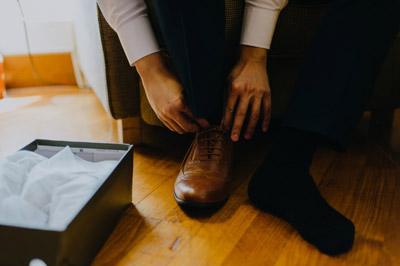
{"points": [[129, 130]]}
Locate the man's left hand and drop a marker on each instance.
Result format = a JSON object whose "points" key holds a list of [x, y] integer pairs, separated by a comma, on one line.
{"points": [[248, 88]]}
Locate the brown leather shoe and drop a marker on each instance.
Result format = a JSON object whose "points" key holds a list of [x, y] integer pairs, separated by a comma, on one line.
{"points": [[205, 176]]}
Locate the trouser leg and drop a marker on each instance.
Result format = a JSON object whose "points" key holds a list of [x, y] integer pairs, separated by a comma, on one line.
{"points": [[341, 66], [194, 34]]}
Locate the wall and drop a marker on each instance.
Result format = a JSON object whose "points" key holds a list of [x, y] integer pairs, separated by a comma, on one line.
{"points": [[58, 26], [49, 26]]}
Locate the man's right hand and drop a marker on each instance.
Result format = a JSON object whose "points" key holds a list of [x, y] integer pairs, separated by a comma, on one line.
{"points": [[165, 95]]}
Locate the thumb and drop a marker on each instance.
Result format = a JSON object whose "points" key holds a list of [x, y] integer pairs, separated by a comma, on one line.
{"points": [[200, 121]]}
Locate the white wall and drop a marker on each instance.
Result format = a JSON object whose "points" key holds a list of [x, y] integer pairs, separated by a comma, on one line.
{"points": [[88, 47], [58, 26], [49, 26]]}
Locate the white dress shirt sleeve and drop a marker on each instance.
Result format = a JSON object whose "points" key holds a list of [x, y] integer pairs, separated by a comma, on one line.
{"points": [[130, 20], [259, 21]]}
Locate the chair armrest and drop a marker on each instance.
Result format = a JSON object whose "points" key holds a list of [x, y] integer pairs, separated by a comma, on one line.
{"points": [[122, 79]]}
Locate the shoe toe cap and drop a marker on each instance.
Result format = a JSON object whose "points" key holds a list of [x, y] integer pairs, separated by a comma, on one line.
{"points": [[200, 189]]}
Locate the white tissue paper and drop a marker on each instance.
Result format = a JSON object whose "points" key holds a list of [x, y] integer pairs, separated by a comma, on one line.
{"points": [[36, 191]]}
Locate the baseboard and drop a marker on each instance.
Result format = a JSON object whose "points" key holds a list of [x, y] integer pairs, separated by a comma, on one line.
{"points": [[52, 69]]}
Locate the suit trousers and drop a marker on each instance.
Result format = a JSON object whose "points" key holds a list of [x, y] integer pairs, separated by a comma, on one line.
{"points": [[336, 77]]}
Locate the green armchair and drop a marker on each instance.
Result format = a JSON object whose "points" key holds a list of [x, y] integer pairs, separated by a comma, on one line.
{"points": [[295, 28]]}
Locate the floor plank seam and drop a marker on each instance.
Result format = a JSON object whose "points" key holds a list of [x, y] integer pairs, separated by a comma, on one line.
{"points": [[148, 194]]}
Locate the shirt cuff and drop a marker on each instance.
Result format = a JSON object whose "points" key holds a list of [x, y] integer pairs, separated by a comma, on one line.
{"points": [[258, 26], [137, 39]]}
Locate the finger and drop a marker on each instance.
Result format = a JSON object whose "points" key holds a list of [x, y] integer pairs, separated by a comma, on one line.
{"points": [[266, 102], [202, 122], [199, 121], [254, 115], [185, 122], [229, 110], [182, 115], [167, 124], [176, 127], [230, 79], [186, 110], [171, 124], [240, 115]]}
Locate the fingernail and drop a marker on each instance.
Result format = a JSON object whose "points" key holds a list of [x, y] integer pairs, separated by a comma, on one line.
{"points": [[235, 137]]}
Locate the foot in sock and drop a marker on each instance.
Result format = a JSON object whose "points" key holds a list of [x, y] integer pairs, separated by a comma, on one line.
{"points": [[284, 187]]}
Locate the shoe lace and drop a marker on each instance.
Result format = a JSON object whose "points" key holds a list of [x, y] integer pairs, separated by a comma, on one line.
{"points": [[209, 139]]}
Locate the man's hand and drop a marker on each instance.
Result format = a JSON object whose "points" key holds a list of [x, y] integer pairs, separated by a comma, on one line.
{"points": [[249, 88], [165, 95]]}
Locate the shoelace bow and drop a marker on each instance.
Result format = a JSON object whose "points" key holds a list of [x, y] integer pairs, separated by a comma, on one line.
{"points": [[209, 139]]}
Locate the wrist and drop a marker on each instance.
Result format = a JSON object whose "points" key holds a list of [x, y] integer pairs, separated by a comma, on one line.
{"points": [[150, 65], [253, 54]]}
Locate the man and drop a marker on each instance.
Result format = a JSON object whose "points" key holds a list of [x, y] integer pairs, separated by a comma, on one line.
{"points": [[328, 99]]}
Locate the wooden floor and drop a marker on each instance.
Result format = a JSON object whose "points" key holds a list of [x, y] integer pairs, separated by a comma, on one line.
{"points": [[363, 183], [63, 112]]}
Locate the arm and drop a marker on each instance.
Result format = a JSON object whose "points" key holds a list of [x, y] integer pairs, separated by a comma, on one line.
{"points": [[130, 20], [249, 85]]}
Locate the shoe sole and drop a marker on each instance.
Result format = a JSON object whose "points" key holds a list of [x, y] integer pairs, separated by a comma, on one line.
{"points": [[198, 205]]}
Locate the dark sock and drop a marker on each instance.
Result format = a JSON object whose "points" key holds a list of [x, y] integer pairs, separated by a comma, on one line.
{"points": [[283, 186]]}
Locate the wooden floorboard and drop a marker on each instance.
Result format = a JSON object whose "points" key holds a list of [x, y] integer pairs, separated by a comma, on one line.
{"points": [[391, 246], [363, 183]]}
